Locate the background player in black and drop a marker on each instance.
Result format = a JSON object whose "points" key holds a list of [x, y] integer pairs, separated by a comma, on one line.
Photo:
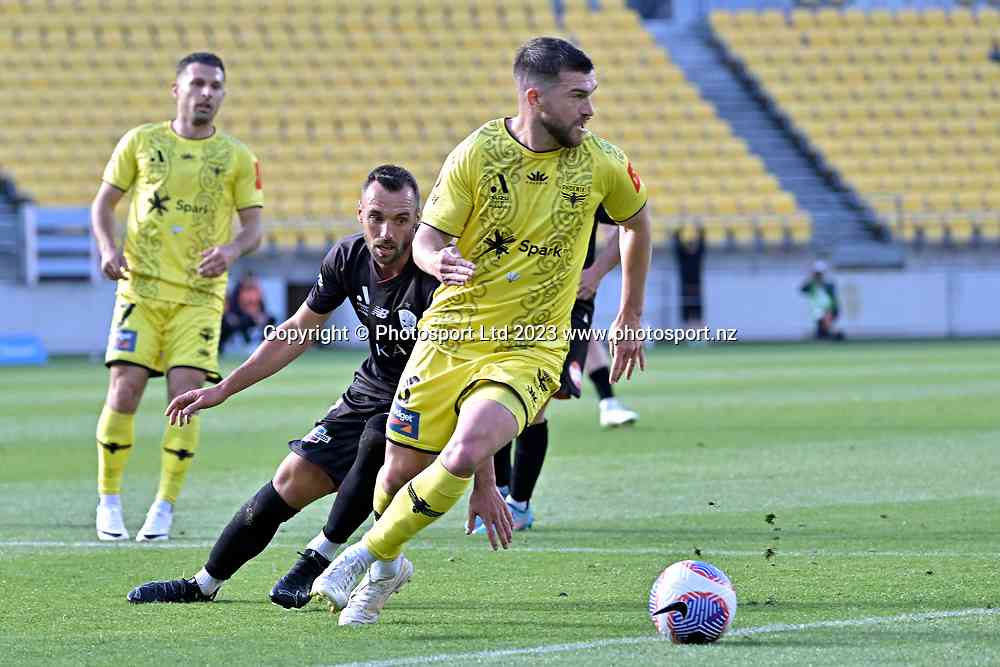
{"points": [[689, 250], [344, 451], [517, 483]]}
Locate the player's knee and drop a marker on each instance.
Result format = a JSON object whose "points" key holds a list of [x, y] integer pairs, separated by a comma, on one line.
{"points": [[125, 393], [464, 454], [177, 385], [371, 445], [300, 482], [392, 478]]}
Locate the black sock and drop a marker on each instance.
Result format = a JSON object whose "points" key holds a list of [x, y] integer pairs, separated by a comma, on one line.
{"points": [[353, 503], [528, 458], [601, 377], [250, 530], [501, 465]]}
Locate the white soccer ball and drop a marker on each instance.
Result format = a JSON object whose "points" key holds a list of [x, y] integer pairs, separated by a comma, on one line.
{"points": [[692, 603]]}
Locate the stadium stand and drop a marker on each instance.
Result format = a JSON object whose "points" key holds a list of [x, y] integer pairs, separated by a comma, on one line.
{"points": [[904, 107], [323, 90]]}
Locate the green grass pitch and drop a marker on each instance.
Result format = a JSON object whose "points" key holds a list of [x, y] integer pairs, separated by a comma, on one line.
{"points": [[880, 463]]}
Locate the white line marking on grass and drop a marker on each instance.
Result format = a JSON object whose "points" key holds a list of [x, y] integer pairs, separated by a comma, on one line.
{"points": [[626, 641], [706, 552]]}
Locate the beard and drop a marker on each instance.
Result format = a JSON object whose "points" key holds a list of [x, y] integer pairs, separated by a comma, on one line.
{"points": [[199, 117], [398, 251], [562, 134]]}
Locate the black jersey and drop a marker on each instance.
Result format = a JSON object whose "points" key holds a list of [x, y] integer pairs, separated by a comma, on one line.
{"points": [[385, 307], [600, 217]]}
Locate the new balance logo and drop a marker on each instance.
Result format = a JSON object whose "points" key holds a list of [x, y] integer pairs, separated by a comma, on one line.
{"points": [[537, 177], [113, 447], [420, 505], [181, 454]]}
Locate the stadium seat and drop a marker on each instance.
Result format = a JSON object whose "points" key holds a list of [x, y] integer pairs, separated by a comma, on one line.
{"points": [[904, 108], [80, 74]]}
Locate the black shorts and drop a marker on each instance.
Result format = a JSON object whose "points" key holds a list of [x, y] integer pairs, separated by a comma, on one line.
{"points": [[333, 443], [581, 319]]}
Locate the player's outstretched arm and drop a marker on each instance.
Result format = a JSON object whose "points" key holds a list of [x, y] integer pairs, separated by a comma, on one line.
{"points": [[635, 243], [102, 221], [217, 260], [435, 253], [271, 356]]}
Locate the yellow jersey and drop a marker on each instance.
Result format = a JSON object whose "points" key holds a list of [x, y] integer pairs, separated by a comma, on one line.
{"points": [[524, 218], [185, 192]]}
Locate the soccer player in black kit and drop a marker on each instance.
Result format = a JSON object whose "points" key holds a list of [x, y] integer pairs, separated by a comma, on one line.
{"points": [[345, 449]]}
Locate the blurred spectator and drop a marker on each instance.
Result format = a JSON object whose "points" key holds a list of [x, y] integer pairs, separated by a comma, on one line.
{"points": [[245, 312], [9, 191], [822, 295], [995, 51], [689, 249]]}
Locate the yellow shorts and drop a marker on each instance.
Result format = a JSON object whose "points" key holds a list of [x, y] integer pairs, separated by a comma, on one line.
{"points": [[160, 335], [434, 385]]}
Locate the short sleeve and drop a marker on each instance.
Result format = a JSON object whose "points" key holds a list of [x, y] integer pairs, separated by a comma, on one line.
{"points": [[626, 194], [450, 203], [328, 291], [248, 190], [122, 167]]}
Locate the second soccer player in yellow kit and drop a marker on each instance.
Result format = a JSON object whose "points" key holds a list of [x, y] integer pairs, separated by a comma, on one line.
{"points": [[187, 180]]}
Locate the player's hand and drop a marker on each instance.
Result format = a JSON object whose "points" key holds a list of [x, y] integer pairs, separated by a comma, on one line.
{"points": [[486, 503], [589, 280], [184, 407], [113, 264], [627, 353], [216, 261], [451, 268]]}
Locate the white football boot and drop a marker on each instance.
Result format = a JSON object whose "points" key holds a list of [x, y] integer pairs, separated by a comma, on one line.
{"points": [[370, 596], [110, 524], [156, 527], [613, 413], [340, 576]]}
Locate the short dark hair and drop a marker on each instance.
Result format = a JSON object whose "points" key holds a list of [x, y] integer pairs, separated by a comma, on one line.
{"points": [[393, 179], [540, 60], [202, 58]]}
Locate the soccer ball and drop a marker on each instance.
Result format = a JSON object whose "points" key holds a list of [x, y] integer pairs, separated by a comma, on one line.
{"points": [[692, 603]]}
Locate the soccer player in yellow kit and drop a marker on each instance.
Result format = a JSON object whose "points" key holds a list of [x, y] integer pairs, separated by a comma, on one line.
{"points": [[186, 180], [505, 230]]}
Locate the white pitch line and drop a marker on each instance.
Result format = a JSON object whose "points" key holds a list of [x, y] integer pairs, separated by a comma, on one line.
{"points": [[626, 641], [706, 553]]}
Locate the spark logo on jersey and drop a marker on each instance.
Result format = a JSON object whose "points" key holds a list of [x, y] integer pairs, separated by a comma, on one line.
{"points": [[541, 250], [404, 422], [185, 207]]}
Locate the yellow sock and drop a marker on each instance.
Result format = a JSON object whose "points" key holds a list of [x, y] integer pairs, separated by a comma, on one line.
{"points": [[380, 500], [115, 437], [179, 445], [417, 505]]}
